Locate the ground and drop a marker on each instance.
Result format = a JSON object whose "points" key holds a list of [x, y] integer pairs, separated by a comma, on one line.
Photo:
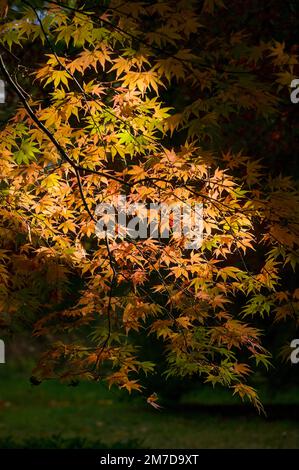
{"points": [[37, 413]]}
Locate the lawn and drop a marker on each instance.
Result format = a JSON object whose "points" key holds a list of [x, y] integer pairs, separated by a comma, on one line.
{"points": [[92, 412]]}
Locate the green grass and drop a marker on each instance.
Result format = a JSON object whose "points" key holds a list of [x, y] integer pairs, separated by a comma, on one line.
{"points": [[91, 412]]}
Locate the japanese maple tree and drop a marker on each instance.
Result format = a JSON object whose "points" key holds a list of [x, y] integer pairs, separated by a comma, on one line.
{"points": [[143, 100]]}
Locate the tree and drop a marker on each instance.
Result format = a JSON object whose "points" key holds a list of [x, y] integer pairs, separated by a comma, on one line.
{"points": [[145, 101]]}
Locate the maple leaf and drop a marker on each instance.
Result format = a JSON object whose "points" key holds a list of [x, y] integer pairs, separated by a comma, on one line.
{"points": [[152, 400]]}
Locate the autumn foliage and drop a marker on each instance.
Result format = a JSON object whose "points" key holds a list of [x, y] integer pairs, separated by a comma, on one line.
{"points": [[139, 99]]}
